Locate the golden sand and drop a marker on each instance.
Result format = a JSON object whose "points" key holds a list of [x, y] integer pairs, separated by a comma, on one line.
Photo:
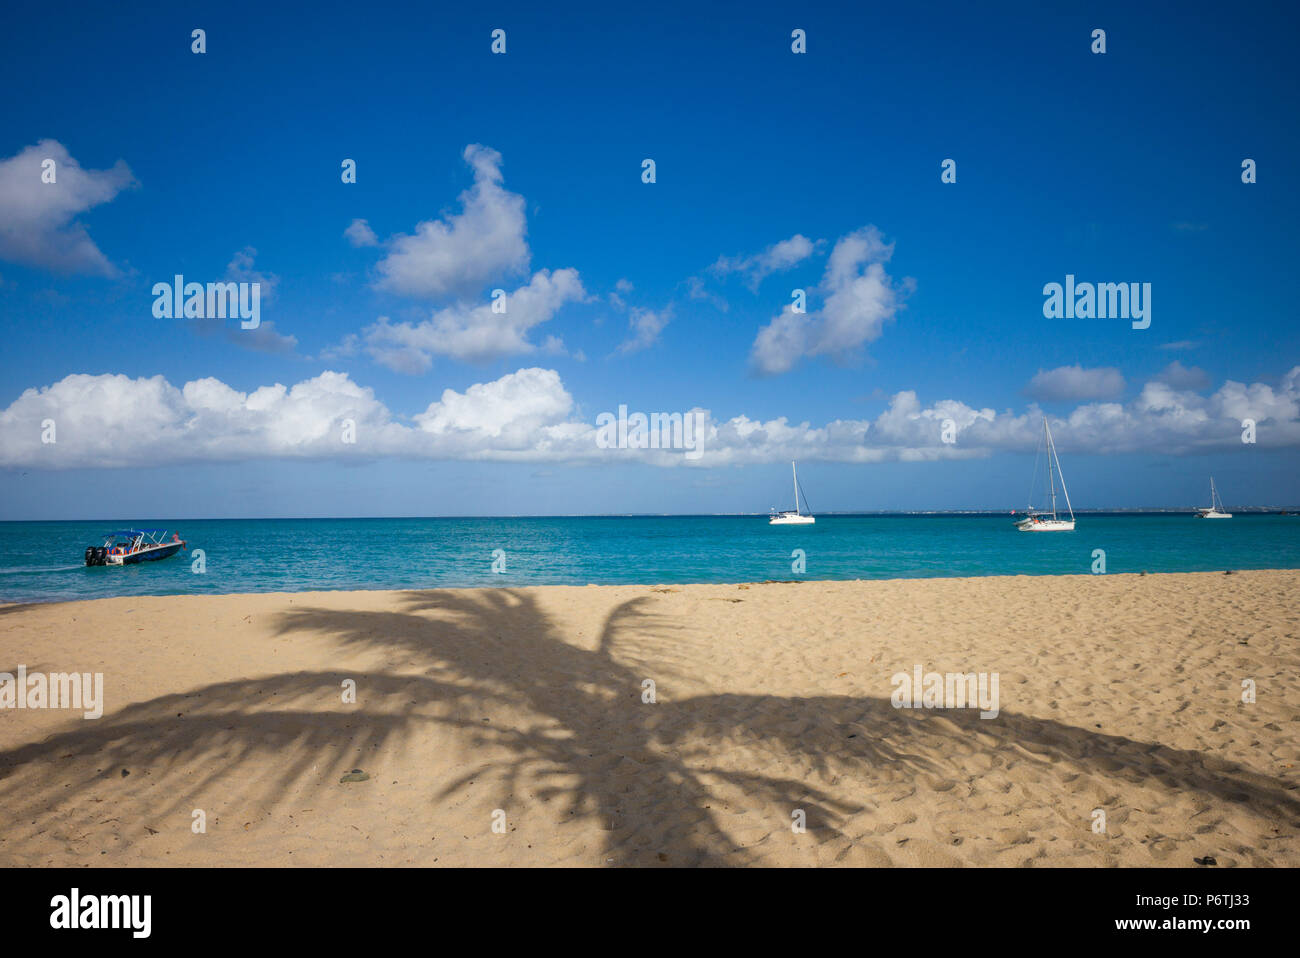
{"points": [[524, 709]]}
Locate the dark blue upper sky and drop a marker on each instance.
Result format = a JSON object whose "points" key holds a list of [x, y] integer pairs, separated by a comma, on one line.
{"points": [[1119, 167]]}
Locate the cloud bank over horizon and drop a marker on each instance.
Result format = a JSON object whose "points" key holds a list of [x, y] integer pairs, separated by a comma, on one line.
{"points": [[530, 416]]}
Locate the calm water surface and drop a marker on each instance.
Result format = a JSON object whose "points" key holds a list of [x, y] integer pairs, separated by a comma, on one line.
{"points": [[42, 561]]}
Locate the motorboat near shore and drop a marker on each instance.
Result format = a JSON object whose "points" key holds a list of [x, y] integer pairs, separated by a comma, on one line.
{"points": [[129, 546]]}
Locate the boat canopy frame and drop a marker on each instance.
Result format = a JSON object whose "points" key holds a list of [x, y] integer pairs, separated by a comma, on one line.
{"points": [[153, 535]]}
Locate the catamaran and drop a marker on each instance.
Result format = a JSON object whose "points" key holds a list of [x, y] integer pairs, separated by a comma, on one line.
{"points": [[1216, 506], [1035, 521], [129, 546], [795, 518]]}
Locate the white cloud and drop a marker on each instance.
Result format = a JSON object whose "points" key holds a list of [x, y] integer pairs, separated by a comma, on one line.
{"points": [[1184, 377], [474, 333], [452, 260], [359, 233], [510, 409], [696, 290], [859, 297], [240, 270], [621, 289], [645, 325], [777, 257], [459, 254], [264, 339], [554, 346], [37, 225], [528, 415], [112, 420], [1072, 383]]}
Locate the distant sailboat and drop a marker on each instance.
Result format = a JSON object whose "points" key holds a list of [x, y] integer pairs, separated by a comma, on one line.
{"points": [[1035, 521], [1216, 506], [795, 518]]}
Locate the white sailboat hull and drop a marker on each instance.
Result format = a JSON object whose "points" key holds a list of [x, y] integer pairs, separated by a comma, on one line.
{"points": [[1214, 515], [1045, 525], [791, 519]]}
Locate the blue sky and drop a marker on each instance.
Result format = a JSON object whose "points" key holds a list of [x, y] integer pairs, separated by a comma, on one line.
{"points": [[527, 170]]}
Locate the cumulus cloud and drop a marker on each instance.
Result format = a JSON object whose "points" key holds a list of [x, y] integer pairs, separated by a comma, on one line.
{"points": [[510, 412], [621, 289], [1184, 377], [113, 420], [37, 219], [696, 289], [528, 415], [859, 297], [451, 260], [460, 253], [359, 233], [241, 269], [473, 333], [777, 257], [264, 339], [644, 327], [1072, 383]]}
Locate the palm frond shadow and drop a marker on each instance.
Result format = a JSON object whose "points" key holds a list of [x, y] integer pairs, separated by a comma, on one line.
{"points": [[586, 736]]}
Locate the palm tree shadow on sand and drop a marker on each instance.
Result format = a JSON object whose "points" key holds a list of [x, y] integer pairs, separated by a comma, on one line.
{"points": [[693, 762]]}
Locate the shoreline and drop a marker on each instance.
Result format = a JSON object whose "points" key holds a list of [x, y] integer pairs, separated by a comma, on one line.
{"points": [[1117, 693], [10, 604]]}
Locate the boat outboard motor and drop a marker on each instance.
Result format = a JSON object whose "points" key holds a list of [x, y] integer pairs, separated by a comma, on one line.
{"points": [[90, 555]]}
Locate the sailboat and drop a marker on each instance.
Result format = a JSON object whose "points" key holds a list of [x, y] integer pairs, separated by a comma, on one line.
{"points": [[795, 518], [1036, 521], [1216, 506]]}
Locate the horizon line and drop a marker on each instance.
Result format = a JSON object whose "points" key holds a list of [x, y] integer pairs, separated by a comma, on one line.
{"points": [[1119, 510]]}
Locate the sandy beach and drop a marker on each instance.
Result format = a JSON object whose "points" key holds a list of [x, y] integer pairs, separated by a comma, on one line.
{"points": [[525, 709]]}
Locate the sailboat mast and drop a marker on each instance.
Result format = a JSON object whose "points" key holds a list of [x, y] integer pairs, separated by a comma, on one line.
{"points": [[796, 487], [1051, 453], [1064, 491]]}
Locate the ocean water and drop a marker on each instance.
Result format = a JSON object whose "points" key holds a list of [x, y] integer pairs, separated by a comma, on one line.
{"points": [[42, 561]]}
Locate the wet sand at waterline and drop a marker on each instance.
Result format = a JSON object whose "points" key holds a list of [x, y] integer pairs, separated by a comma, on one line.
{"points": [[1120, 692]]}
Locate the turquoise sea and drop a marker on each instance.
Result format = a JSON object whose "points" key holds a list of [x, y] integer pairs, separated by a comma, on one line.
{"points": [[42, 561]]}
